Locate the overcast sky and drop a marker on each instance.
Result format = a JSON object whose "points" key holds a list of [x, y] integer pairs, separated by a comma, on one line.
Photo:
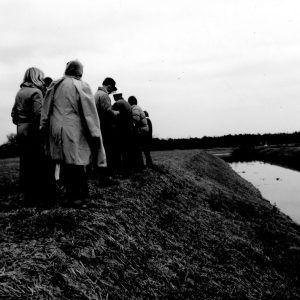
{"points": [[200, 68]]}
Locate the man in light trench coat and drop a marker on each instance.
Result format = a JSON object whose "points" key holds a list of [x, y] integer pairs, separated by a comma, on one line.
{"points": [[70, 121]]}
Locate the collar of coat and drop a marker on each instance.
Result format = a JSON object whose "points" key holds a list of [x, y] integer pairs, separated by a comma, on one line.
{"points": [[102, 88], [73, 76], [29, 84]]}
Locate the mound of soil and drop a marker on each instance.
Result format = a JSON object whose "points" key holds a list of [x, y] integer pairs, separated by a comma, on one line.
{"points": [[190, 228]]}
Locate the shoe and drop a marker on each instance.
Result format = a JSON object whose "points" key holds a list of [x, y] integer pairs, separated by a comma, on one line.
{"points": [[78, 203]]}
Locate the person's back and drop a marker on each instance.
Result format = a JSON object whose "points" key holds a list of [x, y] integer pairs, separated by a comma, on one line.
{"points": [[107, 118], [65, 106], [26, 115], [74, 128], [66, 125], [123, 134], [104, 107], [103, 104], [139, 119], [27, 107], [124, 119]]}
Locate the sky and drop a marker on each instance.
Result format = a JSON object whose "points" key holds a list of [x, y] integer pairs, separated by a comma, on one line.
{"points": [[200, 68]]}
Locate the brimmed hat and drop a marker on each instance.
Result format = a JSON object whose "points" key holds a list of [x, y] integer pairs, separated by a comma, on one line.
{"points": [[111, 82]]}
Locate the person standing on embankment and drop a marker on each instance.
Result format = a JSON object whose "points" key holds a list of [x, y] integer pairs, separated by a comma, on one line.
{"points": [[140, 130], [107, 116], [148, 141], [26, 115], [123, 134], [71, 123]]}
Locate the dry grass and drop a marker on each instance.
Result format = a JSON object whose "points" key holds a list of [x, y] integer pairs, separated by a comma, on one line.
{"points": [[189, 229]]}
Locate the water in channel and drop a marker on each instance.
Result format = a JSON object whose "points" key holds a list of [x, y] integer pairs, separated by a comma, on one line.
{"points": [[279, 185]]}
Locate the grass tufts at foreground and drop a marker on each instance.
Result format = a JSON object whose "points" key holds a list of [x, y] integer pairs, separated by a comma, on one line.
{"points": [[189, 229]]}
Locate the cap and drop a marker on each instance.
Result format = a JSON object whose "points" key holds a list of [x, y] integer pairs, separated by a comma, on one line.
{"points": [[111, 82]]}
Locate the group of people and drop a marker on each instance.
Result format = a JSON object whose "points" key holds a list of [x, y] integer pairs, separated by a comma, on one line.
{"points": [[64, 130]]}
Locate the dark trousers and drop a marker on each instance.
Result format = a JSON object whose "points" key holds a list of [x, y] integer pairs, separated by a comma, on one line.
{"points": [[148, 157], [123, 150], [146, 140], [108, 143], [136, 152], [75, 179], [30, 168]]}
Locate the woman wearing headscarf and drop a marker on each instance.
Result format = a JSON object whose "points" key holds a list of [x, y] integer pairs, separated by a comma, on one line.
{"points": [[71, 123], [26, 115]]}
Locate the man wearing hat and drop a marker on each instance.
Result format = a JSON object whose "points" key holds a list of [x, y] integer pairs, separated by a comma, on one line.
{"points": [[107, 118]]}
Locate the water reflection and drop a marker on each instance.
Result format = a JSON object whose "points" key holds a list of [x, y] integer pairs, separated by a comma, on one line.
{"points": [[278, 185]]}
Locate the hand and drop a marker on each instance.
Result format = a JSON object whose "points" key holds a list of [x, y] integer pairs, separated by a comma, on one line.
{"points": [[116, 112]]}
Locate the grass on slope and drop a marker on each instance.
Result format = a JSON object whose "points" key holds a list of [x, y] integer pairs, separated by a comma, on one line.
{"points": [[190, 228]]}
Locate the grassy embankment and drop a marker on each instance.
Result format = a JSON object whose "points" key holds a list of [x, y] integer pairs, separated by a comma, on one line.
{"points": [[189, 229]]}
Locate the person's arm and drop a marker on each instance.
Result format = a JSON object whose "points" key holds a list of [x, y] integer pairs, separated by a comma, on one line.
{"points": [[47, 104], [107, 107], [46, 109], [89, 109], [14, 113], [37, 99]]}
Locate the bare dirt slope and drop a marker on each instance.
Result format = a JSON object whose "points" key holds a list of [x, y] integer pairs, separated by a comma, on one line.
{"points": [[189, 229]]}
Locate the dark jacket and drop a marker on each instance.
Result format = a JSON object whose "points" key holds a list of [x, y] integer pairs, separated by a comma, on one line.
{"points": [[26, 111], [124, 122]]}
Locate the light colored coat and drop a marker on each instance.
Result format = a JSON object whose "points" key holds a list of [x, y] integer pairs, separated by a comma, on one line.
{"points": [[139, 119], [70, 116]]}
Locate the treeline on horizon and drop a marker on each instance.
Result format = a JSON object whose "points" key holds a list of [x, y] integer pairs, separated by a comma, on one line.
{"points": [[10, 148], [226, 141]]}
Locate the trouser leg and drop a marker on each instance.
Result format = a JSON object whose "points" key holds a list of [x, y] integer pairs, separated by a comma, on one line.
{"points": [[76, 182], [148, 157], [30, 172]]}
